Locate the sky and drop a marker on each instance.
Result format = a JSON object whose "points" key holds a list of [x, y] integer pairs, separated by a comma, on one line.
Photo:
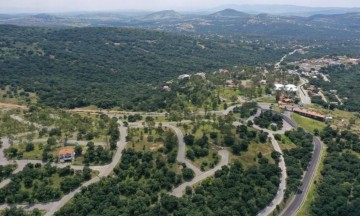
{"points": [[11, 6]]}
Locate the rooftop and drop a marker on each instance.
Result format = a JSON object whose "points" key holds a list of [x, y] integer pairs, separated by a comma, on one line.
{"points": [[308, 112], [66, 151]]}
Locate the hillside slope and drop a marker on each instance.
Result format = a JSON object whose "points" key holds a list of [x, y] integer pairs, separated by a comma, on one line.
{"points": [[111, 67]]}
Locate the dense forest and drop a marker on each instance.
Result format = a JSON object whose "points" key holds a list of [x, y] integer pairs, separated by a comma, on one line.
{"points": [[344, 79], [110, 67], [338, 192]]}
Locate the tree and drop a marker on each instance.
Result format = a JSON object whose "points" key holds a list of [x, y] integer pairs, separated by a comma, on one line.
{"points": [[189, 139], [78, 150], [86, 174], [51, 141], [188, 174], [29, 147]]}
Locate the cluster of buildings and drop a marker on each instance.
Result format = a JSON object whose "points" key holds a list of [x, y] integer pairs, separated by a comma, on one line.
{"points": [[311, 67]]}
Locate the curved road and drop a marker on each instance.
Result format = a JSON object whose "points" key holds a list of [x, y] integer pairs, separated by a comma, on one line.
{"points": [[199, 175], [296, 202], [298, 199], [52, 207], [291, 208], [181, 157], [281, 190]]}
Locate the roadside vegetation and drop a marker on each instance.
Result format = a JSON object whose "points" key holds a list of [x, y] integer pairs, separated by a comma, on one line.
{"points": [[338, 191], [308, 124], [297, 158], [5, 171]]}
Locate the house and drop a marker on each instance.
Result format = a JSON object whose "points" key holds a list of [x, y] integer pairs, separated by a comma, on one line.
{"points": [[66, 155], [310, 88], [316, 95], [333, 91]]}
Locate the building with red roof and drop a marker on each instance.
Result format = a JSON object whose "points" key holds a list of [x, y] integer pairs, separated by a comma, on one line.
{"points": [[67, 154]]}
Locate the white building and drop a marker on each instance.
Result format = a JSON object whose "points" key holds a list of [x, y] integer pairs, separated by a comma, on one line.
{"points": [[291, 88], [184, 76], [279, 87], [202, 75]]}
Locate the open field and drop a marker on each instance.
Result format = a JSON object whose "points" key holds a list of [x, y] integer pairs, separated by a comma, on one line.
{"points": [[249, 157], [307, 123]]}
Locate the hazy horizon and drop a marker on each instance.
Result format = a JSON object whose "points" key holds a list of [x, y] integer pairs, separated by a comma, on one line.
{"points": [[57, 6]]}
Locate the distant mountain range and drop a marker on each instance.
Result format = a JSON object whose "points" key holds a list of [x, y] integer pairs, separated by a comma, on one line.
{"points": [[224, 22], [287, 10]]}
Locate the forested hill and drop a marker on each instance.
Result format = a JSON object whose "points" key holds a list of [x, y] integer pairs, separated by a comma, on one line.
{"points": [[111, 67]]}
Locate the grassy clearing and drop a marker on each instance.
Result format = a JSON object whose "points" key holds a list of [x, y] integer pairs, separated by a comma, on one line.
{"points": [[305, 209], [142, 141], [286, 143], [267, 100], [249, 157], [228, 93], [307, 123], [208, 162], [36, 154]]}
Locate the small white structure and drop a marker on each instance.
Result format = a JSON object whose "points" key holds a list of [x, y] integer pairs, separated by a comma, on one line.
{"points": [[184, 76], [202, 75], [278, 87], [167, 88], [291, 88]]}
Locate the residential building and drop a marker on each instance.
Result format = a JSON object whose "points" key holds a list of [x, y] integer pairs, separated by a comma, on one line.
{"points": [[67, 154]]}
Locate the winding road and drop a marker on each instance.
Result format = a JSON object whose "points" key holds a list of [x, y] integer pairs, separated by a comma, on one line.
{"points": [[52, 207], [104, 171], [298, 199], [181, 157]]}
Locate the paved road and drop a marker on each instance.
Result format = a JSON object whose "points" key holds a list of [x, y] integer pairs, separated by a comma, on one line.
{"points": [[182, 149], [181, 157], [277, 65], [323, 96], [52, 207], [296, 202], [281, 190], [304, 95], [298, 199], [178, 191]]}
